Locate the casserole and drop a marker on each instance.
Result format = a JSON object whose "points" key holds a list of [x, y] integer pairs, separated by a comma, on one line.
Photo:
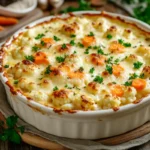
{"points": [[77, 123]]}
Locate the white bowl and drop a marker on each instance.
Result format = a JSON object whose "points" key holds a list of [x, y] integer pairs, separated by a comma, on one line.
{"points": [[82, 124], [13, 12]]}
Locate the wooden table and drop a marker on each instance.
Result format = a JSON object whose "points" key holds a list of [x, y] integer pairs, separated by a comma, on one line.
{"points": [[105, 6]]}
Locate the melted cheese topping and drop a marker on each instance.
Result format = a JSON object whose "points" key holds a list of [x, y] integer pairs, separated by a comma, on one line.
{"points": [[90, 62]]}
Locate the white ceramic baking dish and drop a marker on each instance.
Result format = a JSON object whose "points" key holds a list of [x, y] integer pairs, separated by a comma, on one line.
{"points": [[82, 124]]}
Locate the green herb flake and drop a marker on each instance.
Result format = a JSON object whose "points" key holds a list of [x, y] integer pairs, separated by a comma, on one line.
{"points": [[29, 57], [55, 88], [74, 52], [72, 42], [60, 59], [121, 41], [56, 38], [127, 44], [109, 60], [81, 69], [72, 35], [35, 48], [137, 65], [98, 79], [109, 69], [42, 43], [6, 66], [64, 46], [16, 82], [100, 51], [48, 70], [80, 45], [116, 61], [133, 76], [109, 36], [92, 70], [141, 76], [91, 34], [128, 83], [86, 51], [39, 36]]}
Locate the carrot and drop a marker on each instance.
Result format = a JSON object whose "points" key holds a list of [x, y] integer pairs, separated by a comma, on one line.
{"points": [[64, 68], [76, 74], [88, 40], [117, 90], [48, 40], [97, 59], [117, 69], [1, 28], [116, 47], [8, 21], [139, 84], [40, 58]]}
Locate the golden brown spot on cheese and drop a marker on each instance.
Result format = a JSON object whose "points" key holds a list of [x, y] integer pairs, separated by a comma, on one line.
{"points": [[60, 48], [61, 94]]}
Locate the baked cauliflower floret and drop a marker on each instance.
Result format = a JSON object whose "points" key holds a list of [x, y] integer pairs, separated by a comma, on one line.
{"points": [[127, 33], [93, 87], [111, 31], [60, 97], [146, 71]]}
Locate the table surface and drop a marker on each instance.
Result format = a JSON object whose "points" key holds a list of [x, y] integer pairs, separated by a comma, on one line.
{"points": [[105, 6]]}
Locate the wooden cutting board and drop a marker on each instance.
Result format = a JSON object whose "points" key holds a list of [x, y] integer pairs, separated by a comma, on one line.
{"points": [[40, 142]]}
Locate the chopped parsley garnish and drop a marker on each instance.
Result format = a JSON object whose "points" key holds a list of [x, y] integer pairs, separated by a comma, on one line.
{"points": [[81, 69], [48, 70], [86, 51], [109, 36], [109, 60], [60, 59], [95, 47], [121, 41], [6, 66], [141, 75], [35, 48], [124, 43], [10, 133], [56, 38], [74, 52], [55, 88], [29, 57], [109, 69], [116, 61], [42, 43], [80, 45], [100, 51], [98, 79], [72, 42], [72, 35], [133, 76], [16, 82], [128, 83], [66, 86], [39, 36], [137, 65], [127, 45], [91, 34], [92, 70], [64, 46]]}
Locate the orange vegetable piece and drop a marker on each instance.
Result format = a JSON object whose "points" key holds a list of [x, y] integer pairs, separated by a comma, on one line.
{"points": [[117, 90], [139, 84], [48, 40], [97, 59], [117, 69], [116, 47], [64, 68], [88, 40], [8, 21], [40, 58], [76, 74]]}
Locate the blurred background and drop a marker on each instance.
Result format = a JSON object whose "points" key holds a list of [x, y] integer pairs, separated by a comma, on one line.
{"points": [[17, 13]]}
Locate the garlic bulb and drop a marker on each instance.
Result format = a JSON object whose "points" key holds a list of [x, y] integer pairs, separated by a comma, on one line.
{"points": [[56, 3]]}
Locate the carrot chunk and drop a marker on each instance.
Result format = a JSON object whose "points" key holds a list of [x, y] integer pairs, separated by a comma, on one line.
{"points": [[139, 84], [116, 47], [48, 40], [8, 21], [117, 90], [88, 40], [40, 58], [76, 74], [117, 69]]}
